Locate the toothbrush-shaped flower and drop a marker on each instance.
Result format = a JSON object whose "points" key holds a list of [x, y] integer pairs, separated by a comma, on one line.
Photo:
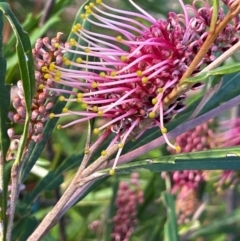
{"points": [[123, 76]]}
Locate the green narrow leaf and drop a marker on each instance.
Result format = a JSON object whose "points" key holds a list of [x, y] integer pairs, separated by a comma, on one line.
{"points": [[223, 70], [217, 226], [4, 139], [24, 228], [4, 107], [31, 225], [29, 23], [50, 182], [170, 227], [221, 159], [70, 162], [25, 60], [111, 211], [229, 89], [215, 14], [37, 33], [24, 52]]}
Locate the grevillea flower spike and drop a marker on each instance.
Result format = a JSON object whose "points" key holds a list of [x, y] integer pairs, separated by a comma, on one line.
{"points": [[124, 76]]}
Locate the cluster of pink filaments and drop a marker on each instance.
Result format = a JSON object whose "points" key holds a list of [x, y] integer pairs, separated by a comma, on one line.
{"points": [[124, 77]]}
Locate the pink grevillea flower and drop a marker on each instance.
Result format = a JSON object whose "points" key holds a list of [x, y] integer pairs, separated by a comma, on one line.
{"points": [[124, 76]]}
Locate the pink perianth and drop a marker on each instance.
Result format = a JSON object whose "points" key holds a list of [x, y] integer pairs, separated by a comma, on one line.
{"points": [[185, 12], [87, 113], [73, 83], [119, 100], [76, 121], [130, 112], [162, 63], [112, 22], [126, 134], [155, 72], [121, 18], [119, 89], [96, 100], [83, 33], [131, 14], [127, 34], [151, 42], [122, 81]]}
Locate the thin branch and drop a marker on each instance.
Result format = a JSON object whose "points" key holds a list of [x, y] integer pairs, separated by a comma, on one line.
{"points": [[56, 213], [75, 197], [53, 216], [50, 156], [47, 12], [14, 197], [62, 223]]}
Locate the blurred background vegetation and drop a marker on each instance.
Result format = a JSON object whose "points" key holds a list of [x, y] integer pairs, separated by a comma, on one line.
{"points": [[91, 219]]}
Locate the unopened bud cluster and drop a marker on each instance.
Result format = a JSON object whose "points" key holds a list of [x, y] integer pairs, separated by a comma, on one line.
{"points": [[186, 183], [129, 196], [198, 139], [44, 54]]}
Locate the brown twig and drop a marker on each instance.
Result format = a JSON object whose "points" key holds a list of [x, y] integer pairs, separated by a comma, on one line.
{"points": [[53, 216], [56, 213], [50, 156], [14, 196]]}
